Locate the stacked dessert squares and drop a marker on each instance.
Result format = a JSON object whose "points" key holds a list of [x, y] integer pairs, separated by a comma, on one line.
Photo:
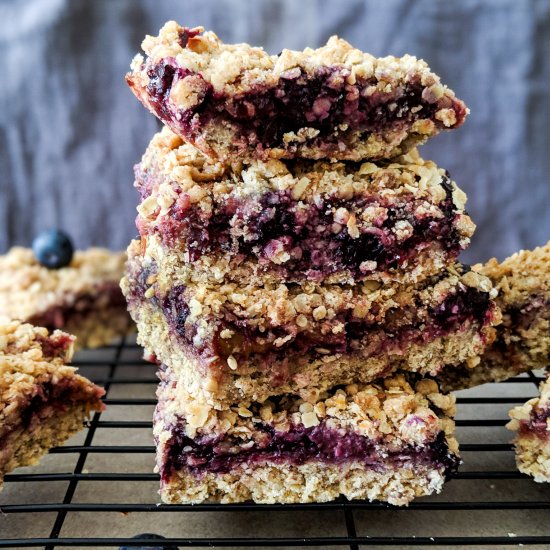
{"points": [[296, 274]]}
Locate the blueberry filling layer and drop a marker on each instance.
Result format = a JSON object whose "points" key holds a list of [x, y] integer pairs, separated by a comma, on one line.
{"points": [[323, 101], [297, 446], [312, 241], [399, 330], [107, 295]]}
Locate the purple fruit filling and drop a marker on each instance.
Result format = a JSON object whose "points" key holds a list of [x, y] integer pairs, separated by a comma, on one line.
{"points": [[323, 101], [470, 304], [314, 244], [107, 294], [297, 446], [57, 397]]}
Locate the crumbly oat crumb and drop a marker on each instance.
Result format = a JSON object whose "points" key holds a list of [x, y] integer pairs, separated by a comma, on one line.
{"points": [[393, 402], [237, 67]]}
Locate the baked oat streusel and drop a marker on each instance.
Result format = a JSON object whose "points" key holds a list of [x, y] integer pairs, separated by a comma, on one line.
{"points": [[335, 102], [42, 399], [531, 421], [391, 441], [301, 220], [82, 298]]}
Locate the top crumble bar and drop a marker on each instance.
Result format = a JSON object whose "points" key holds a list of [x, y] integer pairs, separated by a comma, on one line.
{"points": [[333, 102]]}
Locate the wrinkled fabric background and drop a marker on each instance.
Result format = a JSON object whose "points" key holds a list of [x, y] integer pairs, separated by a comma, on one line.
{"points": [[70, 130]]}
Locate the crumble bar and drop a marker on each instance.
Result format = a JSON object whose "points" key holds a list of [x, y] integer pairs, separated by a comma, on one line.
{"points": [[235, 100], [42, 401], [523, 338], [389, 441], [532, 424], [83, 298], [301, 220], [236, 342]]}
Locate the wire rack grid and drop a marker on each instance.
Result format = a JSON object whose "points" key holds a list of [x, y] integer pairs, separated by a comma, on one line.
{"points": [[99, 490]]}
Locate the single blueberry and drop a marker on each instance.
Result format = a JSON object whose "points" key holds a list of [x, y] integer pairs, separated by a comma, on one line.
{"points": [[53, 249], [149, 537]]}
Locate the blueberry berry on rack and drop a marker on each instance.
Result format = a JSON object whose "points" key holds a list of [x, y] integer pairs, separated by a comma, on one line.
{"points": [[149, 537], [53, 249]]}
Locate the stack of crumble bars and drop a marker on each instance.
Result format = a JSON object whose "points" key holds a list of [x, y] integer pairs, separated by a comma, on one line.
{"points": [[296, 276]]}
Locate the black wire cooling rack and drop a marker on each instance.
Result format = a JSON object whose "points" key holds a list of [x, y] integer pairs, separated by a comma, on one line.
{"points": [[99, 489]]}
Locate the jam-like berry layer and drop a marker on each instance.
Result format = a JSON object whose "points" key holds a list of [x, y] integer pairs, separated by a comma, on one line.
{"points": [[55, 348], [48, 399], [57, 397], [52, 398], [297, 446]]}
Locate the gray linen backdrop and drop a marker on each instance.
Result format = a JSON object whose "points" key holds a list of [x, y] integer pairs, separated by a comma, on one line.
{"points": [[70, 130]]}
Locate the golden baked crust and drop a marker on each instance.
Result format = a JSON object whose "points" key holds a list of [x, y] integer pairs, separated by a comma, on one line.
{"points": [[223, 98], [82, 298], [310, 482]]}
